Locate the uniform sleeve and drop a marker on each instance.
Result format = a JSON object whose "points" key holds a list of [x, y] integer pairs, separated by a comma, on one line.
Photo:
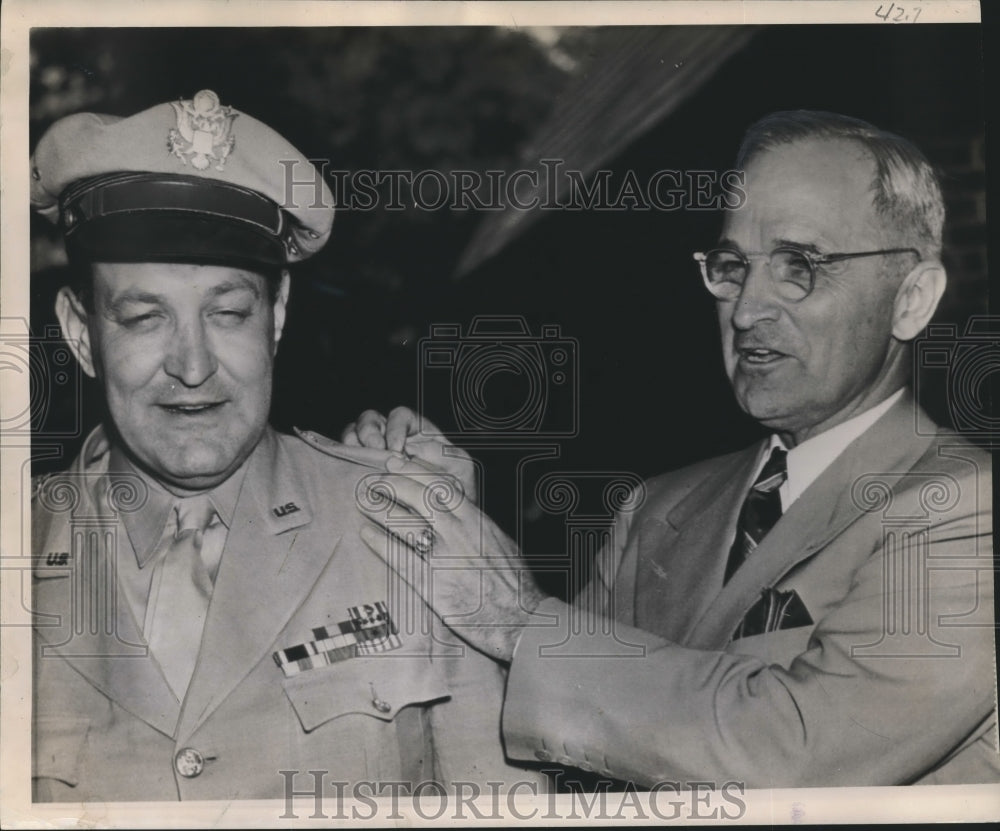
{"points": [[834, 715], [467, 739]]}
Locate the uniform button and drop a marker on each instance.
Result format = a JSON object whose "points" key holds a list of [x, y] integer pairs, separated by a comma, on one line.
{"points": [[543, 756], [377, 702], [189, 762]]}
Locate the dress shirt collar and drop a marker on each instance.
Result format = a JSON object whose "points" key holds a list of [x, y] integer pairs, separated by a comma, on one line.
{"points": [[145, 527], [808, 460]]}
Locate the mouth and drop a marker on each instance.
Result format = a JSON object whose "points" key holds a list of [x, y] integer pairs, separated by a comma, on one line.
{"points": [[192, 409], [759, 356]]}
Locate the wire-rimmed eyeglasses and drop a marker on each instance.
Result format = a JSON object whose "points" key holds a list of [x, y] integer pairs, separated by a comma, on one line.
{"points": [[793, 270]]}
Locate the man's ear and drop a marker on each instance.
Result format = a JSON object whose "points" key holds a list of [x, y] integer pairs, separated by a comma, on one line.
{"points": [[73, 319], [280, 304], [917, 299]]}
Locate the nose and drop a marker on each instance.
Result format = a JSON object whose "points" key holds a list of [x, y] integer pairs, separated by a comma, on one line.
{"points": [[191, 359], [757, 301]]}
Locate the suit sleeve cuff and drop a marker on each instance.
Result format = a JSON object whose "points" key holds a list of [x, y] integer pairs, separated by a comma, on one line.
{"points": [[556, 661]]}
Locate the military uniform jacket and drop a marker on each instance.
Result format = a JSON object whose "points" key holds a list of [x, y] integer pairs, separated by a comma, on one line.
{"points": [[883, 675], [106, 724]]}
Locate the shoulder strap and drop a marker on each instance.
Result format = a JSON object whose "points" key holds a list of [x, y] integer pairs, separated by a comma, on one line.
{"points": [[365, 456]]}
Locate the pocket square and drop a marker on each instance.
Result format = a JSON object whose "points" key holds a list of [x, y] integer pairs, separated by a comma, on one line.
{"points": [[773, 611]]}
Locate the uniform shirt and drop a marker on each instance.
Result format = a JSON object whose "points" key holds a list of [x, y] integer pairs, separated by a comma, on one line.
{"points": [[111, 729], [146, 529]]}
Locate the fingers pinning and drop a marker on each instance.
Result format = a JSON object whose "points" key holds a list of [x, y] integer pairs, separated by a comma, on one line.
{"points": [[401, 424], [370, 435]]}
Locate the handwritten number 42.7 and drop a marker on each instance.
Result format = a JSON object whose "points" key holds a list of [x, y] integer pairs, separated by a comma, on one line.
{"points": [[900, 15]]}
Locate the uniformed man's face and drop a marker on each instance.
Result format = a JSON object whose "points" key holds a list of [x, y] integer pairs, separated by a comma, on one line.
{"points": [[185, 354], [803, 367]]}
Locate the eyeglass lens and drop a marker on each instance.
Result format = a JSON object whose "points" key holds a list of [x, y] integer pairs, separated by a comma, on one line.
{"points": [[791, 272]]}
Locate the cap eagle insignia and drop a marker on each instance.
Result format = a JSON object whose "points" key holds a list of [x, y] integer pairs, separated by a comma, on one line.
{"points": [[202, 135]]}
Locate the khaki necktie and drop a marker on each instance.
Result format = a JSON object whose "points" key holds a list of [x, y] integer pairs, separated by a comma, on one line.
{"points": [[179, 594]]}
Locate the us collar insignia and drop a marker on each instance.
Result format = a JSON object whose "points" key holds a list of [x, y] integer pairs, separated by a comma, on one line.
{"points": [[202, 135]]}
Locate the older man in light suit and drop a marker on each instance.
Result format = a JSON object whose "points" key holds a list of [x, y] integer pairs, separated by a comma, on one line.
{"points": [[209, 623], [815, 610]]}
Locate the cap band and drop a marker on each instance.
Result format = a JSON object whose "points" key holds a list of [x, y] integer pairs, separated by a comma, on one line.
{"points": [[163, 217], [128, 192]]}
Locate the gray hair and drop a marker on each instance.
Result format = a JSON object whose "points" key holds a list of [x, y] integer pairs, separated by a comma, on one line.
{"points": [[907, 193]]}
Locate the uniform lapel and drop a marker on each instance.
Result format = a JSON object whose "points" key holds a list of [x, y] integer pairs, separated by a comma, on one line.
{"points": [[259, 585], [96, 632], [683, 554], [826, 508]]}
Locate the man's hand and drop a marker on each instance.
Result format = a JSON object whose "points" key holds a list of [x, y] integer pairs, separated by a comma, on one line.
{"points": [[404, 431], [465, 568]]}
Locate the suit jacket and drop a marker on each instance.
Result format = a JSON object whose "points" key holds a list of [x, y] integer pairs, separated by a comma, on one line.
{"points": [[108, 727], [890, 680]]}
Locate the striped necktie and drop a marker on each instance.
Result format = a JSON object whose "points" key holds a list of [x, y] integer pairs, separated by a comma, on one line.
{"points": [[761, 510], [179, 594]]}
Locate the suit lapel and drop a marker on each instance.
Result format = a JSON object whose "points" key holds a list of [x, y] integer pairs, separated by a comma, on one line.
{"points": [[683, 554], [114, 658], [826, 508], [259, 585]]}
